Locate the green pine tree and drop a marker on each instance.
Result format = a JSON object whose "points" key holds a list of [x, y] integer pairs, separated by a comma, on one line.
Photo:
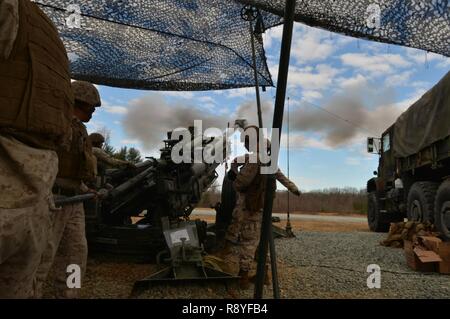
{"points": [[133, 155], [122, 153]]}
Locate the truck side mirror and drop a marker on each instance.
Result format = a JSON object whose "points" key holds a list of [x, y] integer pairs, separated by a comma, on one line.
{"points": [[369, 145], [373, 145]]}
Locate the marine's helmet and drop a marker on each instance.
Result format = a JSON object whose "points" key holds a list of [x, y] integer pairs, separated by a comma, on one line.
{"points": [[86, 92], [96, 139]]}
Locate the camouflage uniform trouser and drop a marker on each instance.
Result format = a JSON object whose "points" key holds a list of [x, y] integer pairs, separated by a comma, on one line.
{"points": [[244, 232], [26, 177], [66, 246]]}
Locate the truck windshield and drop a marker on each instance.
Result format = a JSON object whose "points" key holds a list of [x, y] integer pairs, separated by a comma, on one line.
{"points": [[386, 143]]}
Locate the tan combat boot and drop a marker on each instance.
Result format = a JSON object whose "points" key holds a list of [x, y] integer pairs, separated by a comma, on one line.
{"points": [[229, 258]]}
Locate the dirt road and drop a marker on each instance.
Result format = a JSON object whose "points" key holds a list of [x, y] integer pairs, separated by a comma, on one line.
{"points": [[308, 217]]}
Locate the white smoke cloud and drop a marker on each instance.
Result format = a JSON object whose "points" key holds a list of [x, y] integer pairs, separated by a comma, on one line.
{"points": [[149, 118]]}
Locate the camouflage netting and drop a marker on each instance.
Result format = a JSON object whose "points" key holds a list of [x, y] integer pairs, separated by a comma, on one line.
{"points": [[160, 44], [422, 24], [205, 44]]}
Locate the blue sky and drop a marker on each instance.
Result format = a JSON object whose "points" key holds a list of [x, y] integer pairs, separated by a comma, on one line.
{"points": [[341, 91]]}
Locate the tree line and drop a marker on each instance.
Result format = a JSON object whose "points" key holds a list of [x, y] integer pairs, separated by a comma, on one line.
{"points": [[331, 200], [125, 153]]}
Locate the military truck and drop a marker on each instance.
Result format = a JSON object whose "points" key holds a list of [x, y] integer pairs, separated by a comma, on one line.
{"points": [[413, 176]]}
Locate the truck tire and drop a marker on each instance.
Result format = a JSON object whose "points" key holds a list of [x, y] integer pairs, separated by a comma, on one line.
{"points": [[442, 210], [374, 217], [420, 204]]}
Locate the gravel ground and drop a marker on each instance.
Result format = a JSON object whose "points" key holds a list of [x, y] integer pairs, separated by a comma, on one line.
{"points": [[313, 265], [334, 265]]}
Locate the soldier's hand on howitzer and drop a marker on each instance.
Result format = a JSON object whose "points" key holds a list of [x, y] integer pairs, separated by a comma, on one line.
{"points": [[102, 193], [92, 191]]}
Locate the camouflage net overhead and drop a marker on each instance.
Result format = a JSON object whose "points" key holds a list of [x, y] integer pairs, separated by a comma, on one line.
{"points": [[421, 24], [205, 44], [159, 44]]}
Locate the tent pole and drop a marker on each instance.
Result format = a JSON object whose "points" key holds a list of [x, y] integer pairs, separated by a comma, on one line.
{"points": [[273, 256], [255, 74], [277, 125]]}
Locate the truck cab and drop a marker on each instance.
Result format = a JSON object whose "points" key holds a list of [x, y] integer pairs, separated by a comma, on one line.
{"points": [[386, 190], [415, 187], [413, 176]]}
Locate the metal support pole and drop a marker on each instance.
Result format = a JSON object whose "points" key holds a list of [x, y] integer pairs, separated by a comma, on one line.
{"points": [[255, 74], [273, 266], [289, 231], [277, 125], [273, 257]]}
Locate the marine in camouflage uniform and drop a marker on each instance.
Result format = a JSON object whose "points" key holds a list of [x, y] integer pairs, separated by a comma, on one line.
{"points": [[244, 230], [36, 105], [68, 244], [103, 158]]}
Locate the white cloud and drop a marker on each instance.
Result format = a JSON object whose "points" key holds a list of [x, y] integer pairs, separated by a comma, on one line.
{"points": [[353, 82], [422, 85], [273, 69], [240, 93], [129, 141], [403, 105], [179, 94], [94, 126], [399, 79], [318, 78], [108, 107], [115, 109], [311, 44], [312, 95], [420, 57], [375, 64], [272, 35], [300, 141], [206, 99]]}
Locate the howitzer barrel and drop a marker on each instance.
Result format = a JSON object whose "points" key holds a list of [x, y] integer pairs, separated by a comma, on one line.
{"points": [[215, 153], [147, 174], [63, 200]]}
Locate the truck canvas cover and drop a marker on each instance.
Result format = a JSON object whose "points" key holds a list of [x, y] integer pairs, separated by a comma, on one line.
{"points": [[425, 122]]}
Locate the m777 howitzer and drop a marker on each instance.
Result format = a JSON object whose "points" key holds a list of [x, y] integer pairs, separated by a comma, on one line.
{"points": [[146, 203]]}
